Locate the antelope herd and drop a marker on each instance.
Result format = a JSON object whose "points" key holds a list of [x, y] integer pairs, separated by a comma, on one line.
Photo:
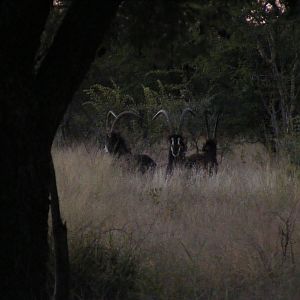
{"points": [[206, 161]]}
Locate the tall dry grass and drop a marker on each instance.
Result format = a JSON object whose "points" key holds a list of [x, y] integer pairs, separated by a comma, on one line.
{"points": [[231, 236]]}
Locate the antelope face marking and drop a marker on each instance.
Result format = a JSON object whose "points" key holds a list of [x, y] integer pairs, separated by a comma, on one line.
{"points": [[177, 145], [108, 144], [105, 149]]}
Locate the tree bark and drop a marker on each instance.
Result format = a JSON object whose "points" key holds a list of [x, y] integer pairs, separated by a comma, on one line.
{"points": [[32, 107], [24, 215], [60, 237], [24, 196]]}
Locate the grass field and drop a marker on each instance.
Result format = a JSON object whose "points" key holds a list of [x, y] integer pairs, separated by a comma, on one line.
{"points": [[231, 236]]}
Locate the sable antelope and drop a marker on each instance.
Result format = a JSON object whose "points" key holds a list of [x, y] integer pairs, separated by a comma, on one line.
{"points": [[208, 159], [178, 148], [116, 145]]}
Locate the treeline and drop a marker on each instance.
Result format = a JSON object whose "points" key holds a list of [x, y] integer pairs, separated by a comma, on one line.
{"points": [[241, 59]]}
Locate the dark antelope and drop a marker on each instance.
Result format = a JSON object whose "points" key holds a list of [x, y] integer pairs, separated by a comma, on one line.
{"points": [[177, 144], [208, 159], [116, 145]]}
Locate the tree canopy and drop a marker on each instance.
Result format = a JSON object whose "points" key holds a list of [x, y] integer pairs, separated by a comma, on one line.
{"points": [[207, 56]]}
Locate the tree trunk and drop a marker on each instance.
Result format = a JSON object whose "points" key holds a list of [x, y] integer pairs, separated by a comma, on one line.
{"points": [[32, 107], [62, 280], [24, 218]]}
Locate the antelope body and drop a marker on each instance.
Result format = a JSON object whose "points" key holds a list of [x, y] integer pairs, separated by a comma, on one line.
{"points": [[207, 160]]}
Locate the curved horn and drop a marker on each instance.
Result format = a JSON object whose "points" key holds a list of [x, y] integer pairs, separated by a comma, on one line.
{"points": [[122, 114], [207, 125], [164, 112], [185, 111], [216, 125], [107, 118]]}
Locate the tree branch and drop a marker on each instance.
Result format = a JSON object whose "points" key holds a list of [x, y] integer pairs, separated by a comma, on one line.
{"points": [[21, 23], [72, 52]]}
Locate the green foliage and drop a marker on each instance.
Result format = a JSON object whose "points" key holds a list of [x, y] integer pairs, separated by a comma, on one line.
{"points": [[199, 55], [104, 98]]}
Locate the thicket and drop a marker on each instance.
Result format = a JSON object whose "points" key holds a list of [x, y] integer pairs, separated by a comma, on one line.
{"points": [[241, 59]]}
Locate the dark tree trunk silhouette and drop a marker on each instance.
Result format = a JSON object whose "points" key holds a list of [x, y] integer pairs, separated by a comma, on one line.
{"points": [[60, 237], [32, 106]]}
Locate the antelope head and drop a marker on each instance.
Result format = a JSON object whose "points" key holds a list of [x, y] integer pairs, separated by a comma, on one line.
{"points": [[114, 142], [177, 143]]}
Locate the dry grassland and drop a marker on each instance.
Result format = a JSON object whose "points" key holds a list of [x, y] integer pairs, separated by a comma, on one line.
{"points": [[235, 235]]}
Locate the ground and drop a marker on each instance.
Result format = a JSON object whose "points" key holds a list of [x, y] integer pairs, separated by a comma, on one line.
{"points": [[231, 236]]}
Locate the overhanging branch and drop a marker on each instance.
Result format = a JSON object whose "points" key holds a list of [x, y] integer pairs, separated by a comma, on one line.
{"points": [[70, 56], [21, 26]]}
